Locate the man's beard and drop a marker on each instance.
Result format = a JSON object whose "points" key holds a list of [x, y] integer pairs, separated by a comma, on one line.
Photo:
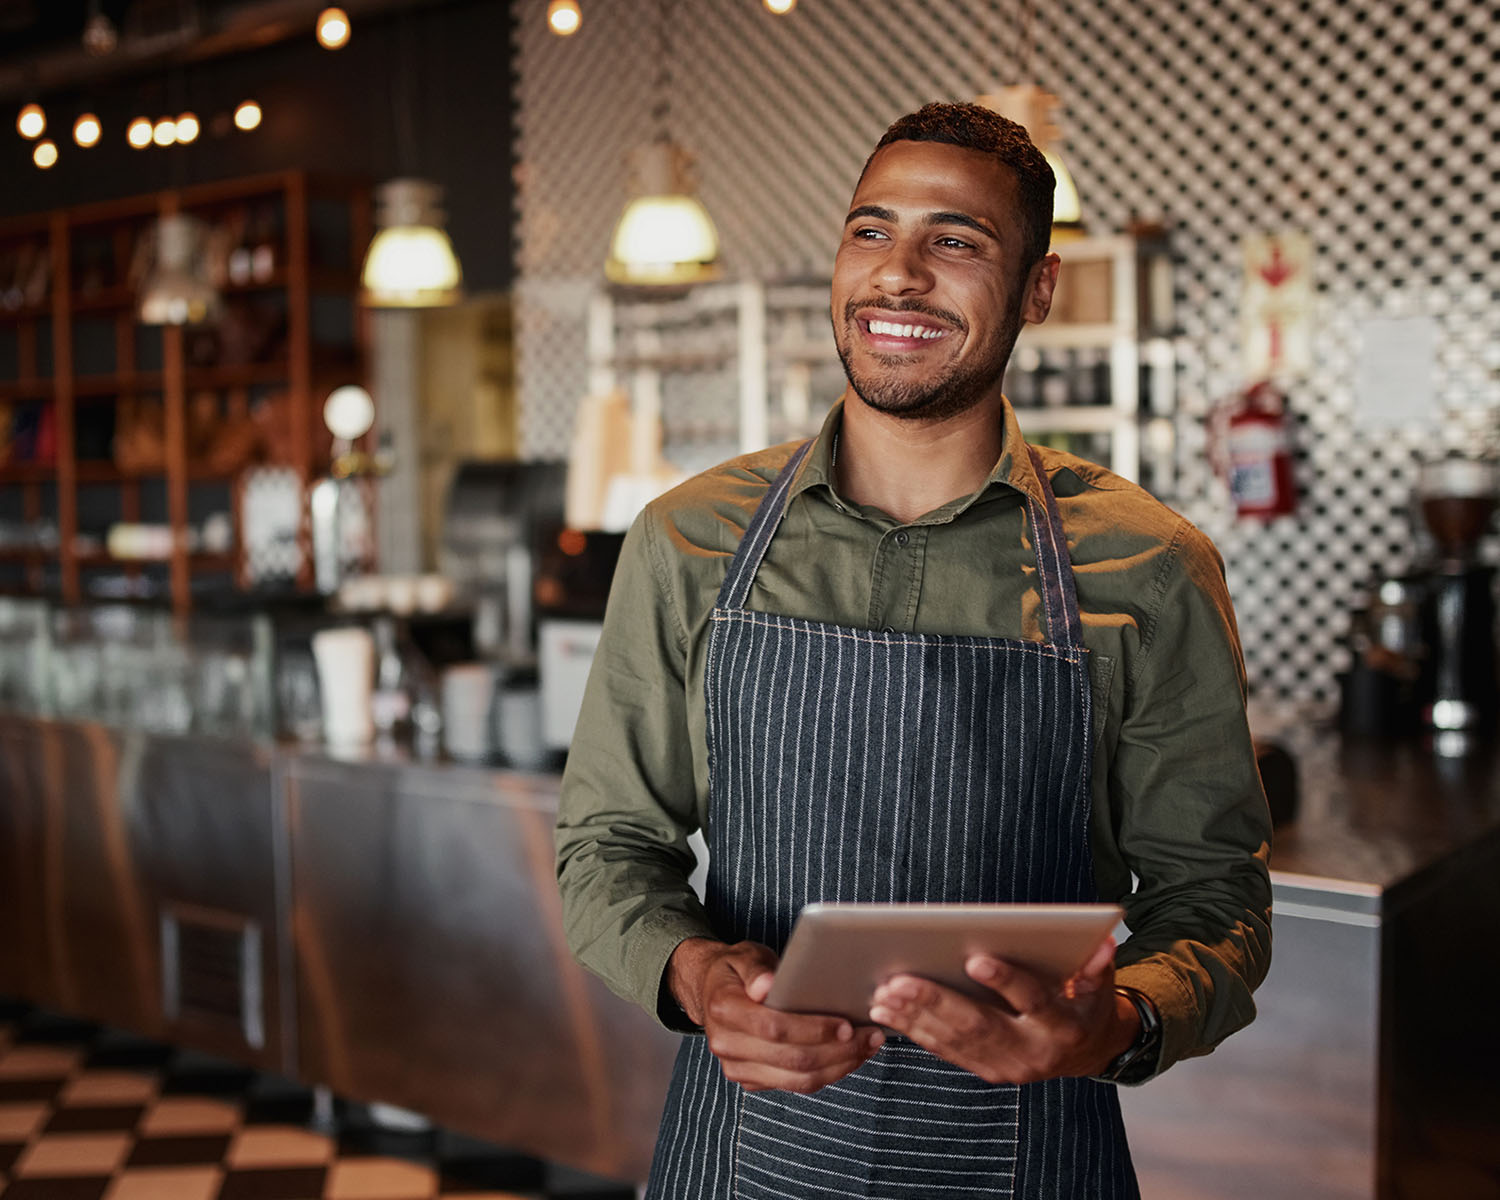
{"points": [[949, 394]]}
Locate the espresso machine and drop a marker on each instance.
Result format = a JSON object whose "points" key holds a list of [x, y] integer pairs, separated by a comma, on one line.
{"points": [[1457, 497]]}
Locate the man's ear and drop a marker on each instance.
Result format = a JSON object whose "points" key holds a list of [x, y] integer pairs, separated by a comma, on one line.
{"points": [[1040, 282]]}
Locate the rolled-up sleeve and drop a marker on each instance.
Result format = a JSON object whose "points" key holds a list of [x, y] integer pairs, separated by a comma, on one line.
{"points": [[628, 804], [1190, 814]]}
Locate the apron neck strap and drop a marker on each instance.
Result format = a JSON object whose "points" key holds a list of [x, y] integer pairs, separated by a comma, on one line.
{"points": [[1054, 569], [753, 545]]}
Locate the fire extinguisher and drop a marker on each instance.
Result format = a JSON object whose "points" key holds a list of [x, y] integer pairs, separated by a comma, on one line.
{"points": [[1254, 452]]}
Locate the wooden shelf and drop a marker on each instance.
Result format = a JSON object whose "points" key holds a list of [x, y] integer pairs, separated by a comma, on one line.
{"points": [[99, 241]]}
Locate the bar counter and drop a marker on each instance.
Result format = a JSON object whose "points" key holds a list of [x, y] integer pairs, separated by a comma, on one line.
{"points": [[390, 929]]}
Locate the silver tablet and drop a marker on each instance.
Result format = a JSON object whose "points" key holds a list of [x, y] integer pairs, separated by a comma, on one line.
{"points": [[839, 953]]}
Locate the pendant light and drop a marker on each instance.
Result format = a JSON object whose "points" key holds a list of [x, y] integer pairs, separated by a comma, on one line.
{"points": [[410, 263], [1033, 108], [665, 237], [177, 290]]}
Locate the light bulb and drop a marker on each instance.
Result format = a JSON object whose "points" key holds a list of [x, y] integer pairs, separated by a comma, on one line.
{"points": [[31, 121], [247, 115], [138, 132], [86, 130], [164, 132], [781, 6], [333, 28], [187, 127], [564, 17], [45, 154]]}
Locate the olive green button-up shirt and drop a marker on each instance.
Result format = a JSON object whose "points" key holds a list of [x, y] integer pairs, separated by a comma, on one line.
{"points": [[1179, 827]]}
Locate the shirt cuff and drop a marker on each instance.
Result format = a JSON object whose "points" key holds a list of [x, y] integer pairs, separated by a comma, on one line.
{"points": [[649, 967], [1175, 1005]]}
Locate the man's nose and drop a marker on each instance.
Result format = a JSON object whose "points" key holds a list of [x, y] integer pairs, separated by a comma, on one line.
{"points": [[902, 270]]}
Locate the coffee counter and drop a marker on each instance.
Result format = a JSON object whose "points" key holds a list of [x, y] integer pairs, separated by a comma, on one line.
{"points": [[394, 934]]}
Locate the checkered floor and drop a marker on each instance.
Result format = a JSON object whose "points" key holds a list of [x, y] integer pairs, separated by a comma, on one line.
{"points": [[91, 1114]]}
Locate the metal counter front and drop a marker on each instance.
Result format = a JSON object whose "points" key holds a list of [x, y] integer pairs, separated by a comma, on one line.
{"points": [[391, 930], [386, 929]]}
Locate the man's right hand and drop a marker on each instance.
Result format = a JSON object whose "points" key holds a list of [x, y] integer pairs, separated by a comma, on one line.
{"points": [[723, 989]]}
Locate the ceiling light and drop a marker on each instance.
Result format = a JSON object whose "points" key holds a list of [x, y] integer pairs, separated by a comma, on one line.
{"points": [[177, 290], [781, 6], [86, 130], [164, 132], [665, 236], [410, 263], [45, 154], [564, 17], [187, 127], [1031, 107], [333, 28], [138, 132], [247, 115], [31, 121]]}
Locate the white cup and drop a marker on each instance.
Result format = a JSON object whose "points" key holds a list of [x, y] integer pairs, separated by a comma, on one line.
{"points": [[346, 679], [468, 692]]}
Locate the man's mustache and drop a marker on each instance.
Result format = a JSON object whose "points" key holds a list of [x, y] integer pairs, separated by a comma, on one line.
{"points": [[907, 306]]}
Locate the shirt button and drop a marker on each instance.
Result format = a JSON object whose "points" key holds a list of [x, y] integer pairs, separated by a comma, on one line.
{"points": [[902, 537], [889, 629]]}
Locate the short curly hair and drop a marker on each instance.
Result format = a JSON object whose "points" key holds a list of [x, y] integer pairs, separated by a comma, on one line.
{"points": [[974, 127]]}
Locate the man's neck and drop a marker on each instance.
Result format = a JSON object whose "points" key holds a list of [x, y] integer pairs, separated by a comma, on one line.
{"points": [[908, 468]]}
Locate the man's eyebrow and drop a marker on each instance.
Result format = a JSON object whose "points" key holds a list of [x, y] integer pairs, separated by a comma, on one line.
{"points": [[878, 213]]}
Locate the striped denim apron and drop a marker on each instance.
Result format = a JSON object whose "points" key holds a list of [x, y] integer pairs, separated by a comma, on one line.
{"points": [[847, 764]]}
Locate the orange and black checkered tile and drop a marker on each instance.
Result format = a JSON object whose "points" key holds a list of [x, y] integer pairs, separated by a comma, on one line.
{"points": [[91, 1114]]}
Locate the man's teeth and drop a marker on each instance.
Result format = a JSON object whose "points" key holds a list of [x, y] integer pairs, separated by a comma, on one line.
{"points": [[891, 329]]}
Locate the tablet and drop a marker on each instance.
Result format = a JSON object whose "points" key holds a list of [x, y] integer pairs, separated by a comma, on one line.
{"points": [[839, 953]]}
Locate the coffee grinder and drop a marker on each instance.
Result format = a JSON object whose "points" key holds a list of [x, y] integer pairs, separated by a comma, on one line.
{"points": [[1457, 497]]}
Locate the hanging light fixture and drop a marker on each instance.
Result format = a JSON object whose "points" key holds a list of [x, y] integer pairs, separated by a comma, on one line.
{"points": [[177, 290], [564, 17], [44, 154], [665, 237], [31, 121], [333, 29], [781, 6], [247, 115], [138, 133], [1028, 105], [410, 263], [86, 130], [164, 132], [187, 128]]}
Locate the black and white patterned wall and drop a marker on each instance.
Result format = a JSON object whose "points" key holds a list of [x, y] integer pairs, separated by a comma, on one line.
{"points": [[1374, 127]]}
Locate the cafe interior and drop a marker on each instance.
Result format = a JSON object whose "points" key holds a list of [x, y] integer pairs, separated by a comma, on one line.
{"points": [[339, 346]]}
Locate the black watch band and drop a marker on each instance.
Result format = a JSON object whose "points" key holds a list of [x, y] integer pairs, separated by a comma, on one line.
{"points": [[1138, 1060]]}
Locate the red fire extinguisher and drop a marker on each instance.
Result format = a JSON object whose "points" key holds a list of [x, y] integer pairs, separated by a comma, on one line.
{"points": [[1254, 452]]}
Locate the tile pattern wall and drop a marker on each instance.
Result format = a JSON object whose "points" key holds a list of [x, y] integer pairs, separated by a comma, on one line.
{"points": [[1374, 126]]}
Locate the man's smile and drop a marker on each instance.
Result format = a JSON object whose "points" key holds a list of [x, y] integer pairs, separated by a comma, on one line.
{"points": [[890, 331]]}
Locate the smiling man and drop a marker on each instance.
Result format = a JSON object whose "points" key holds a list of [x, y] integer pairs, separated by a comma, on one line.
{"points": [[917, 659]]}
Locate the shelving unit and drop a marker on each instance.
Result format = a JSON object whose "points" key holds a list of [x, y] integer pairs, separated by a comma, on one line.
{"points": [[1112, 319], [76, 366]]}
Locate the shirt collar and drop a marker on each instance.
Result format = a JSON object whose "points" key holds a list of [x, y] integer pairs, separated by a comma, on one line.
{"points": [[1013, 470]]}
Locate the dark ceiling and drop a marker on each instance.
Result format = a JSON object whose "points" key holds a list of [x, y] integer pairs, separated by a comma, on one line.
{"points": [[42, 51]]}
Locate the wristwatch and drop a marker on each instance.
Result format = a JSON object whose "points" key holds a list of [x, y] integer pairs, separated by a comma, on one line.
{"points": [[1137, 1061]]}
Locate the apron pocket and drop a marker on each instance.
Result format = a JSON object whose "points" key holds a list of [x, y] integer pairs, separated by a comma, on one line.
{"points": [[905, 1125]]}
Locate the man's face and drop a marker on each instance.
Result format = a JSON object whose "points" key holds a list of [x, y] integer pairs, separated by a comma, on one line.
{"points": [[929, 290]]}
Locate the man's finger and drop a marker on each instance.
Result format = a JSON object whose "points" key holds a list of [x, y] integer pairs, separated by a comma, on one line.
{"points": [[1018, 987]]}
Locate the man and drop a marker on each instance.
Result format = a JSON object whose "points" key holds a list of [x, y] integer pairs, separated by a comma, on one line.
{"points": [[918, 660]]}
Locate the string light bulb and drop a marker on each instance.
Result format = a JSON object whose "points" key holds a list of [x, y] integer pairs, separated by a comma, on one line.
{"points": [[247, 115], [164, 132], [781, 6], [333, 28], [564, 17], [86, 130], [31, 121], [187, 128], [45, 153], [138, 132]]}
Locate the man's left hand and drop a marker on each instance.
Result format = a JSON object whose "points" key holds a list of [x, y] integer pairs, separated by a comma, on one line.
{"points": [[1032, 1030]]}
